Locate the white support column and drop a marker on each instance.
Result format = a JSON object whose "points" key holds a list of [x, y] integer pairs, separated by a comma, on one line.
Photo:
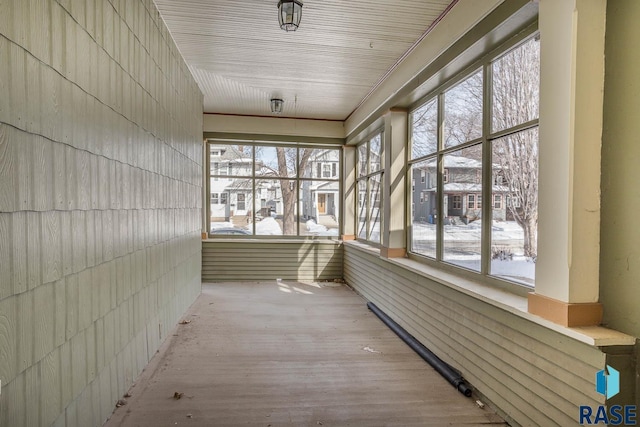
{"points": [[349, 193], [394, 186], [571, 105]]}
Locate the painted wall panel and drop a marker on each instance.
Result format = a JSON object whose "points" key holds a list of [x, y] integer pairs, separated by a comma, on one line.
{"points": [[100, 121], [261, 260]]}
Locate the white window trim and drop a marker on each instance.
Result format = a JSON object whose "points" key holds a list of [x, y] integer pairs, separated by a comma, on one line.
{"points": [[486, 141]]}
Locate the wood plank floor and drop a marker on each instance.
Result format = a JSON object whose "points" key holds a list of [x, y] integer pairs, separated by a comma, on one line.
{"points": [[290, 354]]}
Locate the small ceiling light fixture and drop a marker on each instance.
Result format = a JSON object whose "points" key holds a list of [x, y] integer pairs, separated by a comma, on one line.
{"points": [[289, 14], [276, 105]]}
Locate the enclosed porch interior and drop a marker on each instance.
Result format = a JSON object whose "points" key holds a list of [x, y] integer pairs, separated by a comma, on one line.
{"points": [[113, 117]]}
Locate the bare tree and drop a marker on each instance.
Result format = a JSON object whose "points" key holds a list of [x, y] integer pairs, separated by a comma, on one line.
{"points": [[286, 160], [516, 78], [515, 87]]}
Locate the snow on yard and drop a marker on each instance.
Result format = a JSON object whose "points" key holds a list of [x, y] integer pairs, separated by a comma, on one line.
{"points": [[320, 230], [501, 230], [312, 227], [268, 226], [462, 247], [215, 225]]}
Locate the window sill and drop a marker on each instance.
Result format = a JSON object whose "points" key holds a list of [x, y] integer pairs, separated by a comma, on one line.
{"points": [[596, 336], [275, 239]]}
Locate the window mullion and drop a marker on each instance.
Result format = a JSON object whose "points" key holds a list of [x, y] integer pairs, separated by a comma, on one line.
{"points": [[207, 184], [439, 180], [297, 185], [515, 129], [253, 191], [367, 208], [487, 170]]}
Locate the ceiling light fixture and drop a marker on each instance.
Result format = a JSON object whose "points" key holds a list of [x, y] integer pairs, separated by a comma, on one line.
{"points": [[276, 105], [289, 14]]}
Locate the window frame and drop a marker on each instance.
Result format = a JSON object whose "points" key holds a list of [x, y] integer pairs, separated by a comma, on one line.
{"points": [[252, 194], [488, 136], [471, 201], [367, 178], [497, 201]]}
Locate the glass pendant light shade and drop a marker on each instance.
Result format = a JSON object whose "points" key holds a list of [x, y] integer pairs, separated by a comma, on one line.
{"points": [[289, 14], [276, 105]]}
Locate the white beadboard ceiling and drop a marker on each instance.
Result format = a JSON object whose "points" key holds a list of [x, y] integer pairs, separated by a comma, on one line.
{"points": [[241, 58]]}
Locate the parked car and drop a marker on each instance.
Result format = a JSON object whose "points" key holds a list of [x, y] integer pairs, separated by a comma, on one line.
{"points": [[229, 231]]}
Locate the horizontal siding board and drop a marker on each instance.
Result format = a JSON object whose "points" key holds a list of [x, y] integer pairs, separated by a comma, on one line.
{"points": [[430, 336], [255, 260], [514, 324], [535, 375]]}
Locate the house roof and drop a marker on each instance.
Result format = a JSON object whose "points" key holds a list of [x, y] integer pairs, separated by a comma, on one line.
{"points": [[328, 186], [463, 187], [451, 161]]}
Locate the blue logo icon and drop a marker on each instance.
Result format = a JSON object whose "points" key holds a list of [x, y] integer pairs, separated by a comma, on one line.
{"points": [[608, 382]]}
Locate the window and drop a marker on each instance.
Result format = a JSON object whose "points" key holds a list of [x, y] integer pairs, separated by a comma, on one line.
{"points": [[472, 131], [457, 202], [274, 189], [512, 202], [497, 201], [368, 182]]}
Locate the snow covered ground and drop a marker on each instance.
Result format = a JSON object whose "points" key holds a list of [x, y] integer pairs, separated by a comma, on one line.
{"points": [[268, 226], [215, 225], [320, 230], [272, 227], [462, 247], [500, 231]]}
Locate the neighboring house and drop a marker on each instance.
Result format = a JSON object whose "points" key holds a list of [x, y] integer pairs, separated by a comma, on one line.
{"points": [[230, 196], [321, 197], [462, 189]]}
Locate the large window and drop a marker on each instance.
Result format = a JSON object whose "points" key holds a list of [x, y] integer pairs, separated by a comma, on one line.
{"points": [[477, 138], [369, 167], [273, 190]]}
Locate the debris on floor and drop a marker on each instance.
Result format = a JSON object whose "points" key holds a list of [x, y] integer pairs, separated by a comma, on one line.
{"points": [[370, 350], [185, 322], [120, 403], [177, 395]]}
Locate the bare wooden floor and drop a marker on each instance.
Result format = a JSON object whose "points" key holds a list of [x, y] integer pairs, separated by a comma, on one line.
{"points": [[290, 354]]}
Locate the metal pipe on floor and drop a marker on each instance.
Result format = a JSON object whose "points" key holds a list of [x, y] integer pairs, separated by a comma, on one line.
{"points": [[440, 366]]}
